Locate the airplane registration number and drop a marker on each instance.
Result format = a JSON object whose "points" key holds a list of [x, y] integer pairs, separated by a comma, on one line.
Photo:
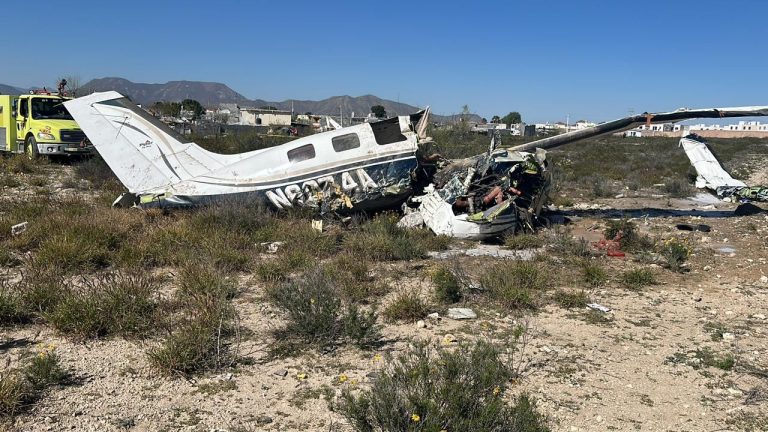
{"points": [[348, 181]]}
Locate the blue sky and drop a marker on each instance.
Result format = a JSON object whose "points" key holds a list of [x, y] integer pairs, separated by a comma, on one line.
{"points": [[595, 60]]}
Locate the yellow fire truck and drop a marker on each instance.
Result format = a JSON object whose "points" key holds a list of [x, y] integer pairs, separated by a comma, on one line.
{"points": [[39, 124]]}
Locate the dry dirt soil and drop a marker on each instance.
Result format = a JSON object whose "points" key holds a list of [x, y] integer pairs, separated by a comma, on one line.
{"points": [[641, 366]]}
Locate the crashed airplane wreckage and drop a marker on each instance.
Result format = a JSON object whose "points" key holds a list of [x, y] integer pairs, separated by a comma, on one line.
{"points": [[363, 167], [712, 176]]}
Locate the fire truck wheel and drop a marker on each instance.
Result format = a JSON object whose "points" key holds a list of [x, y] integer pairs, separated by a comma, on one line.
{"points": [[31, 148]]}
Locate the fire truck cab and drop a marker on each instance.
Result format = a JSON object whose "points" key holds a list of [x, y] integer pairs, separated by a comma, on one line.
{"points": [[38, 124]]}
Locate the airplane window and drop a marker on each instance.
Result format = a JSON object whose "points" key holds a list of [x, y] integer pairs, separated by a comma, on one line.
{"points": [[345, 142], [387, 131], [301, 153]]}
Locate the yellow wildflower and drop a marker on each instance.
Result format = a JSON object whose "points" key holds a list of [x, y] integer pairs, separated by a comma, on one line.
{"points": [[496, 391], [343, 378], [377, 358], [301, 376], [415, 418]]}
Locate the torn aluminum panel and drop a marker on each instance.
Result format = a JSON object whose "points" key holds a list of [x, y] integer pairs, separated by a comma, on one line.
{"points": [[484, 196], [712, 176], [361, 167]]}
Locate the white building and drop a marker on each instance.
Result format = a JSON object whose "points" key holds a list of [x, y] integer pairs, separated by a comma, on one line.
{"points": [[264, 117], [742, 126]]}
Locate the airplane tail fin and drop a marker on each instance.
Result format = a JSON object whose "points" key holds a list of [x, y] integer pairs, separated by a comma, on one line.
{"points": [[144, 153]]}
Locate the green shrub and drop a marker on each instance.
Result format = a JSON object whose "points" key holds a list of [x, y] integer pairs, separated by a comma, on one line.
{"points": [[109, 304], [447, 285], [629, 238], [709, 358], [426, 389], [571, 300], [382, 240], [200, 281], [11, 311], [16, 393], [594, 275], [406, 306], [22, 387], [636, 279], [523, 241], [679, 188], [316, 314], [352, 277], [516, 285], [44, 369], [675, 252], [41, 288], [199, 342], [564, 243]]}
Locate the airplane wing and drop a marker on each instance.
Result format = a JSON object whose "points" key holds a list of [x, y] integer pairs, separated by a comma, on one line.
{"points": [[711, 174], [639, 119]]}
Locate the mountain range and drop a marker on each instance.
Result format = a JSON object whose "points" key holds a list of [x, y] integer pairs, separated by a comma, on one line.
{"points": [[212, 94]]}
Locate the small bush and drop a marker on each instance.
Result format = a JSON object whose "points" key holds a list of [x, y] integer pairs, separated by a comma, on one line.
{"points": [[679, 188], [360, 326], [316, 315], [709, 358], [98, 173], [594, 274], [406, 306], [21, 164], [198, 282], [44, 369], [447, 286], [11, 311], [571, 300], [627, 234], [15, 393], [517, 285], [110, 304], [21, 387], [382, 240], [352, 277], [200, 342], [675, 252], [636, 279], [564, 243], [426, 389], [41, 288], [523, 241]]}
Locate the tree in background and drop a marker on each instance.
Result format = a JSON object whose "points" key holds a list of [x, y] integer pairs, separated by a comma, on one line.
{"points": [[512, 118], [495, 119], [379, 111], [166, 109], [194, 106]]}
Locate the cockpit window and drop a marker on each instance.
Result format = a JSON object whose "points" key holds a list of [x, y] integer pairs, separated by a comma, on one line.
{"points": [[387, 131]]}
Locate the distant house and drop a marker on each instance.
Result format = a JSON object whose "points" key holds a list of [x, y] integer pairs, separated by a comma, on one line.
{"points": [[264, 117]]}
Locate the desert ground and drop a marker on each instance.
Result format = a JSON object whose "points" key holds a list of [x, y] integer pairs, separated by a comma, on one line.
{"points": [[682, 347]]}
